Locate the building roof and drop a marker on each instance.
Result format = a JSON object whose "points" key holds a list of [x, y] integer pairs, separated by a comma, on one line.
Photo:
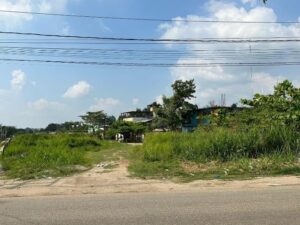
{"points": [[228, 108], [144, 114]]}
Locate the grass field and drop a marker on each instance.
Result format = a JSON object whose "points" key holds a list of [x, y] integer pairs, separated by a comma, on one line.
{"points": [[218, 154], [41, 155], [206, 154]]}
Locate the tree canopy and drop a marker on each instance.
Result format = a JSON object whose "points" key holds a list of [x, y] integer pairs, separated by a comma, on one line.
{"points": [[128, 129], [99, 118], [176, 110], [283, 106]]}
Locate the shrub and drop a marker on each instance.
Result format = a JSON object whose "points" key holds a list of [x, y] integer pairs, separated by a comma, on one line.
{"points": [[35, 155], [221, 144]]}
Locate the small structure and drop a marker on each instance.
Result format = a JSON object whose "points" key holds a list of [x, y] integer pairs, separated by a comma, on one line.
{"points": [[120, 137], [137, 116], [202, 116]]}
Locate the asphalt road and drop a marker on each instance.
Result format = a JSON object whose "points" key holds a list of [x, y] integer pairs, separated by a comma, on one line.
{"points": [[275, 205]]}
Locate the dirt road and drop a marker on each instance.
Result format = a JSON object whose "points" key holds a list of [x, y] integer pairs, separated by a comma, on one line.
{"points": [[100, 180]]}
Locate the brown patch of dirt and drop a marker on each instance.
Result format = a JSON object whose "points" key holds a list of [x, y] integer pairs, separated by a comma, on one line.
{"points": [[116, 180]]}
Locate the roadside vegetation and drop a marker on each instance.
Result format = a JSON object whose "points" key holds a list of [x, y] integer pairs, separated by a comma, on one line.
{"points": [[262, 140], [218, 153], [32, 156]]}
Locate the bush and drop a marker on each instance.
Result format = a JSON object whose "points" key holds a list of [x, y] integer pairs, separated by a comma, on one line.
{"points": [[36, 155], [221, 144]]}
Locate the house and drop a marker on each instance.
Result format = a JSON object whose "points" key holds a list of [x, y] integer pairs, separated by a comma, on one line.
{"points": [[202, 116], [139, 116]]}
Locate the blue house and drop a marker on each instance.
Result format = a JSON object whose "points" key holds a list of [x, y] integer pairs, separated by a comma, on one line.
{"points": [[201, 117]]}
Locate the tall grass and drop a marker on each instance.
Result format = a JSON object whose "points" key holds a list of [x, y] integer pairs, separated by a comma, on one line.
{"points": [[221, 144], [35, 155], [218, 153]]}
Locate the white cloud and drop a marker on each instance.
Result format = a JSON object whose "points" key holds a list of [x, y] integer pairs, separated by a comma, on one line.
{"points": [[135, 101], [18, 80], [159, 99], [47, 6], [259, 83], [264, 83], [234, 82], [43, 104], [207, 73], [106, 104], [9, 20], [78, 90], [251, 2]]}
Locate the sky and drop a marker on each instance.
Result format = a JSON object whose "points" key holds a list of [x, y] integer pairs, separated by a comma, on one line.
{"points": [[36, 94]]}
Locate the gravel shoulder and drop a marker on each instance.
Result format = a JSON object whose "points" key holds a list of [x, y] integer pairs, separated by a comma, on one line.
{"points": [[113, 177]]}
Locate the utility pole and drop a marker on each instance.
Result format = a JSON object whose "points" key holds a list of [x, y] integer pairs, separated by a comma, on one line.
{"points": [[223, 99]]}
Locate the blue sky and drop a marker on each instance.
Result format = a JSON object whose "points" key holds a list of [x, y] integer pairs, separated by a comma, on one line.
{"points": [[33, 95]]}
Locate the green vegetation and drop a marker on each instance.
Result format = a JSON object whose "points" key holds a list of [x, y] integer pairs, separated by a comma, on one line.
{"points": [[129, 129], [283, 106], [41, 155], [98, 121], [261, 140], [220, 144], [176, 110], [218, 153], [66, 127]]}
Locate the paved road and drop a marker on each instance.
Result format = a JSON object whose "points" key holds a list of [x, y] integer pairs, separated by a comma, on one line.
{"points": [[272, 206]]}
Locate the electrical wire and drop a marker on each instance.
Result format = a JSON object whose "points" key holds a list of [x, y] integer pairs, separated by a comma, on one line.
{"points": [[202, 40], [141, 19], [123, 64]]}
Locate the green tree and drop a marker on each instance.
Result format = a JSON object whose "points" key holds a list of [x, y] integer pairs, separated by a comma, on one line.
{"points": [[7, 131], [128, 129], [97, 119], [52, 127], [176, 110], [94, 118], [283, 106]]}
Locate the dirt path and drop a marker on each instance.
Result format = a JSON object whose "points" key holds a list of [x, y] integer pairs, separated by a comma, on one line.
{"points": [[100, 180]]}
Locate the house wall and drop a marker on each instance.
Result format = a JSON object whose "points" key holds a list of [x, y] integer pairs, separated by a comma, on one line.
{"points": [[136, 119]]}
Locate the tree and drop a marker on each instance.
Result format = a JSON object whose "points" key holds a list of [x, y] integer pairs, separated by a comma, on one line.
{"points": [[97, 119], [130, 130], [52, 127], [7, 131], [176, 110], [69, 126], [283, 106]]}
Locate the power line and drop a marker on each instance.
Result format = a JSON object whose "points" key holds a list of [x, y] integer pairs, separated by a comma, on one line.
{"points": [[58, 42], [227, 50], [151, 52], [193, 52], [148, 55], [202, 40], [147, 19], [123, 64]]}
